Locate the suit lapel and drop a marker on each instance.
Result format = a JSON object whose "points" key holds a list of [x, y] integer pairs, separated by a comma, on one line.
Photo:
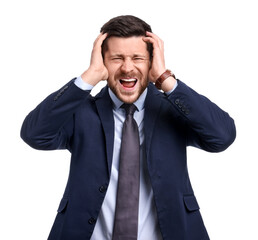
{"points": [[152, 108], [105, 110]]}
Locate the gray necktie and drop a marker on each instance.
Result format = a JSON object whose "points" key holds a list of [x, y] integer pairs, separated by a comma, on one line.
{"points": [[126, 215]]}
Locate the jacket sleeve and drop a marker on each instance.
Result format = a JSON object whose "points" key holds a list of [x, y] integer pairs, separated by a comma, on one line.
{"points": [[44, 127], [208, 127]]}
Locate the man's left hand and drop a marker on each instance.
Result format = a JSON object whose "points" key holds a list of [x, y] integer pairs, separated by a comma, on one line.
{"points": [[158, 61]]}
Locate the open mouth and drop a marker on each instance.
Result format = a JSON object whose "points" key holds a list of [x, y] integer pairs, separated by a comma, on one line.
{"points": [[128, 83]]}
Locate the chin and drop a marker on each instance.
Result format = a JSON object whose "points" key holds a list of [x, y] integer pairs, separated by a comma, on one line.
{"points": [[128, 99]]}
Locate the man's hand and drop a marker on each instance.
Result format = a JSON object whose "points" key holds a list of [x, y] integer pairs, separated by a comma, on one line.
{"points": [[97, 70], [158, 62]]}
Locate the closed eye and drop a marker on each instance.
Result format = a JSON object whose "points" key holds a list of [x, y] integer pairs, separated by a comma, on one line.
{"points": [[138, 59], [116, 59]]}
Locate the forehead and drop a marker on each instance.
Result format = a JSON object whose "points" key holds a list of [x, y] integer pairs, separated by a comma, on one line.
{"points": [[130, 45]]}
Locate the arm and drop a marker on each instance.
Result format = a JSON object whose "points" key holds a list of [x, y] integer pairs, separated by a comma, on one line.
{"points": [[44, 127], [49, 125], [208, 126]]}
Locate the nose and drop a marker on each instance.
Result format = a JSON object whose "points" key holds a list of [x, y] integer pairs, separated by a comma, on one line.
{"points": [[127, 65]]}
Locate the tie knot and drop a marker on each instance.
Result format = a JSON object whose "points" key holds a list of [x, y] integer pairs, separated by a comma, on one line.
{"points": [[129, 108]]}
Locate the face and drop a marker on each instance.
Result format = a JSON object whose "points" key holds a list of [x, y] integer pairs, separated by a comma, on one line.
{"points": [[127, 61]]}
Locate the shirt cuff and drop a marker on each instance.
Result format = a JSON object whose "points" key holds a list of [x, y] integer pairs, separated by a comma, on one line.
{"points": [[82, 85], [169, 92]]}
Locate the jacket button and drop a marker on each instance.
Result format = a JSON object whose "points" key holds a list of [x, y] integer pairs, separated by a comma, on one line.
{"points": [[177, 101], [92, 221], [102, 189]]}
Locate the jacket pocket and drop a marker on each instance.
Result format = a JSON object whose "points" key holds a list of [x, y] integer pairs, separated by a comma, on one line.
{"points": [[62, 205], [191, 203]]}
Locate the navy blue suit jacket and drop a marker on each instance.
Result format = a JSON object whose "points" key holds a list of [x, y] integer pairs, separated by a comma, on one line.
{"points": [[72, 119]]}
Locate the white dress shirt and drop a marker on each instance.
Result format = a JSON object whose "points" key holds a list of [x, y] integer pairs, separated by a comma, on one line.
{"points": [[147, 221]]}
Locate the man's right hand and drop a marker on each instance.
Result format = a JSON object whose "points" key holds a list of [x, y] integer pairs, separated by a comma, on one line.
{"points": [[97, 70]]}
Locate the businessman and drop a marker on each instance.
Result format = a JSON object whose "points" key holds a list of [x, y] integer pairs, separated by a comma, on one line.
{"points": [[128, 175]]}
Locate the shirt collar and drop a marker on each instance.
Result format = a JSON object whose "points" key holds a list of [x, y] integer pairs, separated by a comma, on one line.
{"points": [[117, 103]]}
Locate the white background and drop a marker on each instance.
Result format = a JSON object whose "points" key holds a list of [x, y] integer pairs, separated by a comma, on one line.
{"points": [[210, 45]]}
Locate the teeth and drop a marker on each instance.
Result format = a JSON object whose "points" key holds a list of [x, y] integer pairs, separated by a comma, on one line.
{"points": [[129, 80]]}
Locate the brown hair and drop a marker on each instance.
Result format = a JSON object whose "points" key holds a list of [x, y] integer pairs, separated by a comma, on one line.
{"points": [[125, 26]]}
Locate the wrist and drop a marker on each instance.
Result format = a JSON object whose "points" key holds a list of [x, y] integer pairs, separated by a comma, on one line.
{"points": [[165, 81], [82, 84], [91, 77], [168, 84]]}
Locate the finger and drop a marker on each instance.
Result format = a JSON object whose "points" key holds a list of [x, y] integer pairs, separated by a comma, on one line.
{"points": [[154, 36], [148, 39], [157, 41], [156, 44], [151, 34], [99, 40]]}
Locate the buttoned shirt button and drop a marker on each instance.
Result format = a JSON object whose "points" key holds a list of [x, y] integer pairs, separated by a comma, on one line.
{"points": [[103, 189], [92, 221]]}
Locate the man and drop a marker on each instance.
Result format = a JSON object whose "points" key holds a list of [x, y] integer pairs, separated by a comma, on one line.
{"points": [[131, 58]]}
